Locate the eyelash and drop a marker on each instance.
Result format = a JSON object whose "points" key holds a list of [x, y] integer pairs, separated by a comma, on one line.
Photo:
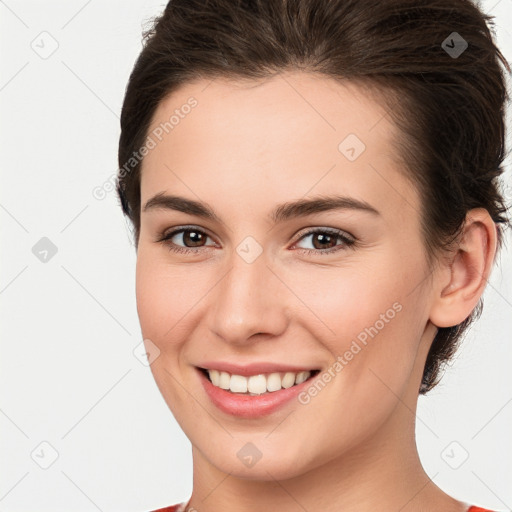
{"points": [[348, 241]]}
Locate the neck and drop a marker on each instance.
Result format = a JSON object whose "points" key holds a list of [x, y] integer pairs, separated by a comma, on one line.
{"points": [[383, 472]]}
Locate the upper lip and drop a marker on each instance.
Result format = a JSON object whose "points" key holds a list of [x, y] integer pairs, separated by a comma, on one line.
{"points": [[253, 368]]}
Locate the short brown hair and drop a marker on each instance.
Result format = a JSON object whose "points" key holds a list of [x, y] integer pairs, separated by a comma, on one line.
{"points": [[449, 105]]}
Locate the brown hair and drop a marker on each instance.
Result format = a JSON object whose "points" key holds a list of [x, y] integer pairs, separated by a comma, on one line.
{"points": [[447, 101]]}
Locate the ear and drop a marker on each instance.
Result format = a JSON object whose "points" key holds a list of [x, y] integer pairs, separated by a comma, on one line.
{"points": [[461, 280]]}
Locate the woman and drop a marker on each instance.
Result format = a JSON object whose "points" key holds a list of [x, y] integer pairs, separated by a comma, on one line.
{"points": [[313, 186]]}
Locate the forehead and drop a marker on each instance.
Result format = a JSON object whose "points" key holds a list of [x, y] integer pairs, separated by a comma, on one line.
{"points": [[287, 108], [296, 133]]}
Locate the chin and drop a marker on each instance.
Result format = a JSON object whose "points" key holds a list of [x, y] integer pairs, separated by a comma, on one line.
{"points": [[259, 459]]}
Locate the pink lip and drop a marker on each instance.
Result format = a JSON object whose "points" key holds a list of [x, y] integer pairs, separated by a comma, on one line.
{"points": [[253, 368], [246, 406]]}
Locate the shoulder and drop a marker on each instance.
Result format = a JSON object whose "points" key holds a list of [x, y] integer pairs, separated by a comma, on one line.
{"points": [[179, 507]]}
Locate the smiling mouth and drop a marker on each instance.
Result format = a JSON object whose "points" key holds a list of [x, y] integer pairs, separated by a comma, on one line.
{"points": [[257, 384]]}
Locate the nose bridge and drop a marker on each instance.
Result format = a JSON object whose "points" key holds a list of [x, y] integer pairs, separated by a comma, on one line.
{"points": [[247, 300]]}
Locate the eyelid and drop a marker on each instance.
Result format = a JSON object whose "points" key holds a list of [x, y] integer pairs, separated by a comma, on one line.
{"points": [[325, 229], [166, 233]]}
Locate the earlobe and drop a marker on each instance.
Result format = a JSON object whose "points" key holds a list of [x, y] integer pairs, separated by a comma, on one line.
{"points": [[461, 283]]}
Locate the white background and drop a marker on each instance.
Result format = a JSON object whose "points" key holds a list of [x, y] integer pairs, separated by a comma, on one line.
{"points": [[69, 326]]}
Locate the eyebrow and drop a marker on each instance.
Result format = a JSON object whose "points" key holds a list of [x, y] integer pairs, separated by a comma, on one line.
{"points": [[283, 212]]}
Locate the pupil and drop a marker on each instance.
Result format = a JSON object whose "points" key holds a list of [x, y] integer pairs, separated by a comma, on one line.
{"points": [[194, 235], [325, 238]]}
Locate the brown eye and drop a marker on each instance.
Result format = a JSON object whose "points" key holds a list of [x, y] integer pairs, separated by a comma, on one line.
{"points": [[186, 240], [193, 238], [325, 241]]}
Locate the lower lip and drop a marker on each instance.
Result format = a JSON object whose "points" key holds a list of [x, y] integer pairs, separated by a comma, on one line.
{"points": [[247, 406]]}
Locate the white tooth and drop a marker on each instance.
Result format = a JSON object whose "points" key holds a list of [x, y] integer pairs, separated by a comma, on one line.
{"points": [[238, 384], [274, 382], [288, 380], [214, 377], [224, 379], [257, 384], [301, 377]]}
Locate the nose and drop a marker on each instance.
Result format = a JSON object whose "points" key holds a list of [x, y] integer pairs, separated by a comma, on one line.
{"points": [[248, 301]]}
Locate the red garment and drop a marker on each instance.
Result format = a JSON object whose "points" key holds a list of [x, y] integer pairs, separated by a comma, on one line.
{"points": [[176, 508]]}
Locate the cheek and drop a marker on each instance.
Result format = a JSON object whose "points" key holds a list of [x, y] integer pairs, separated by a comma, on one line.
{"points": [[350, 302], [165, 296], [368, 317]]}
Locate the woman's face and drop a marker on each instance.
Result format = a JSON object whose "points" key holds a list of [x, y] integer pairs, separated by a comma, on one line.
{"points": [[342, 288]]}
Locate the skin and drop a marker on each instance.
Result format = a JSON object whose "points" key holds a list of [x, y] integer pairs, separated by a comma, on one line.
{"points": [[243, 150]]}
